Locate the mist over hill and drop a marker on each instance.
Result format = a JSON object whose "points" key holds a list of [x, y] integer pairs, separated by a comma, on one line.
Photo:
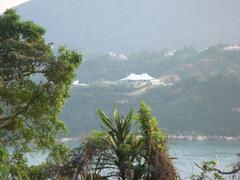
{"points": [[129, 26]]}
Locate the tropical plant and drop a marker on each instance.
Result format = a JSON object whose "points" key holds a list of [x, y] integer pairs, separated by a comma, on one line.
{"points": [[133, 147], [118, 130]]}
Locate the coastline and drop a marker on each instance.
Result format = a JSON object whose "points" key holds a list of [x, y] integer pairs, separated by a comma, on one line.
{"points": [[172, 137], [203, 138]]}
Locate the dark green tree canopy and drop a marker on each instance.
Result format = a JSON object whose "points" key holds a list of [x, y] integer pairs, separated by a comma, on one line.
{"points": [[34, 84]]}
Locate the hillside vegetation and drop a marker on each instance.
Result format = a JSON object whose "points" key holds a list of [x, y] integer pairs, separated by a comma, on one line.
{"points": [[204, 97]]}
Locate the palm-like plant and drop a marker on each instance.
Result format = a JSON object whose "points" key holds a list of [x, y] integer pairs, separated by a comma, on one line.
{"points": [[118, 129]]}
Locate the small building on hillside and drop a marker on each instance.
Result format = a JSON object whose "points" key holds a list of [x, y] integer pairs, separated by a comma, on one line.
{"points": [[138, 80]]}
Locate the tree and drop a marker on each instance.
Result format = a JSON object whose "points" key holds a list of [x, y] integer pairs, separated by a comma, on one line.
{"points": [[34, 84], [157, 161]]}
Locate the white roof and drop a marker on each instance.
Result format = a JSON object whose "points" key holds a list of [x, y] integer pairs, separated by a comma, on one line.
{"points": [[138, 77], [170, 53], [77, 83]]}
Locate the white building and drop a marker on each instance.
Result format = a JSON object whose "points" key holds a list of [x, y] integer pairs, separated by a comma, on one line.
{"points": [[232, 48], [138, 80], [77, 83]]}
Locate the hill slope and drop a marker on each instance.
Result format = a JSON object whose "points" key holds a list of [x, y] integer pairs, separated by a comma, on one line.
{"points": [[204, 97], [135, 25]]}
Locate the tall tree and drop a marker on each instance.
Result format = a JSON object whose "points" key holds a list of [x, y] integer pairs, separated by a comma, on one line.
{"points": [[34, 84]]}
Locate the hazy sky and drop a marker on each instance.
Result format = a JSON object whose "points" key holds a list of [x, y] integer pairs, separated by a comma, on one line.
{"points": [[5, 4], [127, 26]]}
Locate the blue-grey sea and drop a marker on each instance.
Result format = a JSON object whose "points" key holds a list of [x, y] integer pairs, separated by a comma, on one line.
{"points": [[187, 153], [190, 152]]}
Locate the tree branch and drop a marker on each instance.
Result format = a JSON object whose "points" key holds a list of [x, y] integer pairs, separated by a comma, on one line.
{"points": [[6, 120]]}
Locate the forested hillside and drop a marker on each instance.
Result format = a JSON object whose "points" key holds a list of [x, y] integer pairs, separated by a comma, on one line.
{"points": [[203, 98]]}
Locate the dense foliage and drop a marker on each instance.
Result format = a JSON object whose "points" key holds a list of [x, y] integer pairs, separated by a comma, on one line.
{"points": [[34, 84]]}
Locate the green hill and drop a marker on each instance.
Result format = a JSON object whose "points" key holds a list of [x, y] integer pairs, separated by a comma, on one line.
{"points": [[205, 99]]}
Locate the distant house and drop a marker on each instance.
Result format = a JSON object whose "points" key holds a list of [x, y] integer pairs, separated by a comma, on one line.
{"points": [[138, 80], [232, 48], [77, 83]]}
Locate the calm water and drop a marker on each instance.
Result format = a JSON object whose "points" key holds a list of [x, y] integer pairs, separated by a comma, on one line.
{"points": [[190, 152]]}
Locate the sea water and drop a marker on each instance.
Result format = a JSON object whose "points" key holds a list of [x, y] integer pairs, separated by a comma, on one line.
{"points": [[187, 154]]}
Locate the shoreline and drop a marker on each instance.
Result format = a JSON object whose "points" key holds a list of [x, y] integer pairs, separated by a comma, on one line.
{"points": [[173, 137], [203, 138]]}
